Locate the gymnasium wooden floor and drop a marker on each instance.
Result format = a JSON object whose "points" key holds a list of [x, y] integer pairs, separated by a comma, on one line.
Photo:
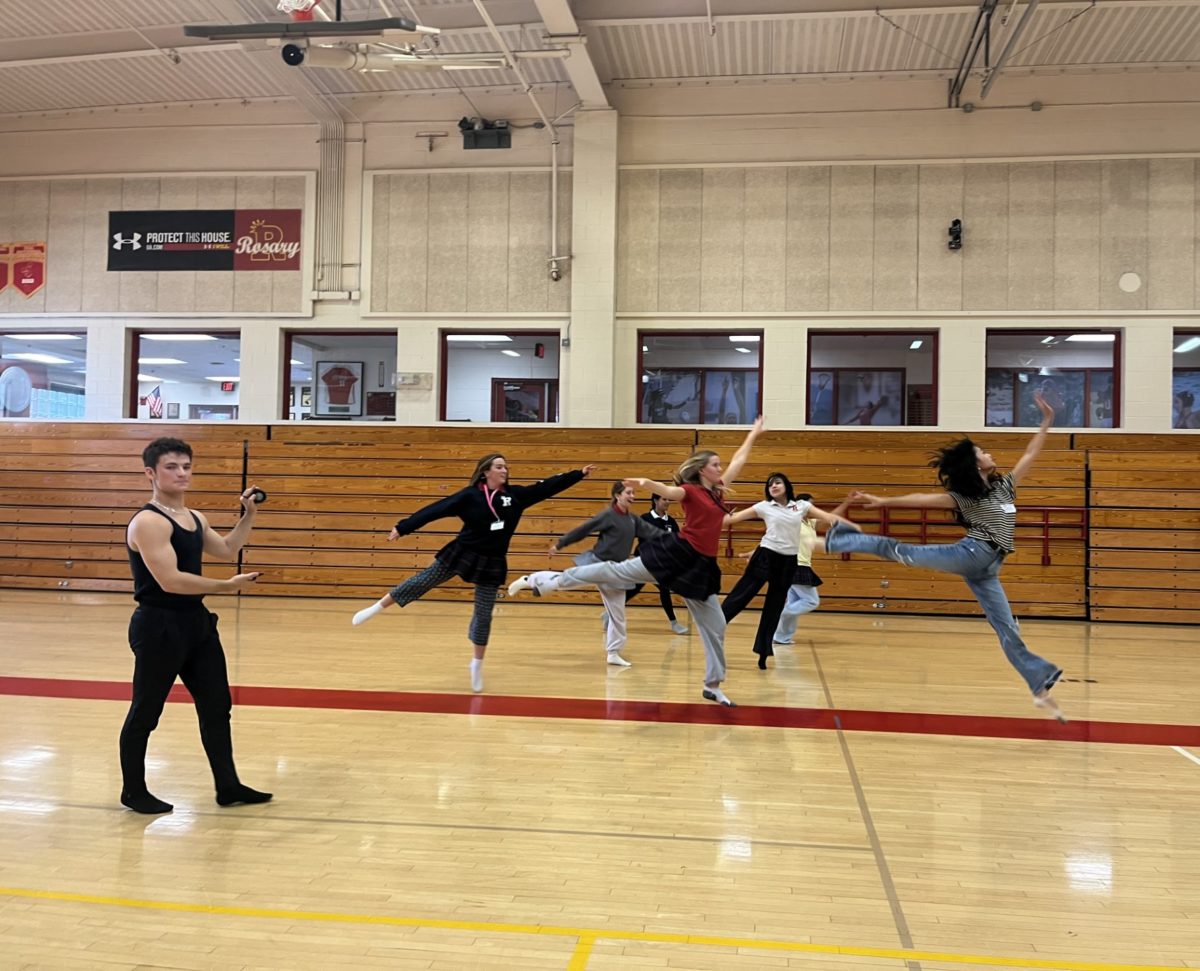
{"points": [[884, 798]]}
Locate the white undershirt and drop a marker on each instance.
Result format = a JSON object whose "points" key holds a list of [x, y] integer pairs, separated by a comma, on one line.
{"points": [[783, 525]]}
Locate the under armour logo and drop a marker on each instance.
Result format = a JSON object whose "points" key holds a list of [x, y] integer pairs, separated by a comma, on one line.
{"points": [[133, 242], [506, 500]]}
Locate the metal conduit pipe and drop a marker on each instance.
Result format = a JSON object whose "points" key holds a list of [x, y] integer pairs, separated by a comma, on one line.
{"points": [[555, 273], [330, 201]]}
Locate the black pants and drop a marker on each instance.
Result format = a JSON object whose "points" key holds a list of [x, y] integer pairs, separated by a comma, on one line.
{"points": [[177, 643], [776, 571], [664, 598]]}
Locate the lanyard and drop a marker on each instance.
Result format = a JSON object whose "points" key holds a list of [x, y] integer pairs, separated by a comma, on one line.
{"points": [[488, 496]]}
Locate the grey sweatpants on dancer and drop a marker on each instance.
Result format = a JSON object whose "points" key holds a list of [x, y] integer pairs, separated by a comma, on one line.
{"points": [[706, 613], [419, 584]]}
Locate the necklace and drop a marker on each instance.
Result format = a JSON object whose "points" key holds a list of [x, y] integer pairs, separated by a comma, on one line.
{"points": [[163, 506]]}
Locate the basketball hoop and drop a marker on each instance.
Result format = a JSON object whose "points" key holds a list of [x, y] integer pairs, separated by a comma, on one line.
{"points": [[301, 10]]}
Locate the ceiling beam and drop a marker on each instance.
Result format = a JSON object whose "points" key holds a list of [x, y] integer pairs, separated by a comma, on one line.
{"points": [[563, 30]]}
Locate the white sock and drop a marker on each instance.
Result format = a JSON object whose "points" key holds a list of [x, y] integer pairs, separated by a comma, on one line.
{"points": [[718, 692], [366, 614], [476, 674]]}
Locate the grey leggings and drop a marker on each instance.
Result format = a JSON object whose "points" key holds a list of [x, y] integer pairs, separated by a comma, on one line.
{"points": [[434, 575], [705, 613]]}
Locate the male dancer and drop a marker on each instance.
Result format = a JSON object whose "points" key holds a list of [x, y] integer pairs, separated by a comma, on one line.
{"points": [[172, 634]]}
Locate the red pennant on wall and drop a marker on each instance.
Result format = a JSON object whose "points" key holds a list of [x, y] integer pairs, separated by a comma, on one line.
{"points": [[28, 267], [4, 251]]}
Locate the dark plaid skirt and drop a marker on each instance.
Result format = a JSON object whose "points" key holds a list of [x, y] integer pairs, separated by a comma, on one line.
{"points": [[485, 569], [675, 564], [806, 576], [763, 560]]}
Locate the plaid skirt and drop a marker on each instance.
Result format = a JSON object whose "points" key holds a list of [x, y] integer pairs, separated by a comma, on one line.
{"points": [[675, 564], [484, 569]]}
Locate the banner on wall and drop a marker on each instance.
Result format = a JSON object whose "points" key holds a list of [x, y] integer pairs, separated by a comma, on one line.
{"points": [[28, 262], [24, 266], [204, 239]]}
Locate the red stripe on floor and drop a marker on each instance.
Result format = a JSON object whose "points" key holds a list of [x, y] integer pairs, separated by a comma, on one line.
{"points": [[705, 713]]}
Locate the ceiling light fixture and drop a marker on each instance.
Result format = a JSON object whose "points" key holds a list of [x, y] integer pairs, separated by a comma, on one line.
{"points": [[151, 379], [160, 360], [479, 338], [745, 338], [1188, 345], [1093, 338], [219, 377], [43, 337], [915, 345], [38, 358], [178, 337], [511, 353]]}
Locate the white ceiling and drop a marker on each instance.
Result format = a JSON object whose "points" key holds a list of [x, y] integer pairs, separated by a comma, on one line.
{"points": [[60, 56]]}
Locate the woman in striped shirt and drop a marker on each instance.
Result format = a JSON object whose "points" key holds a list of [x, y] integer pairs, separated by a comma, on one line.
{"points": [[984, 502]]}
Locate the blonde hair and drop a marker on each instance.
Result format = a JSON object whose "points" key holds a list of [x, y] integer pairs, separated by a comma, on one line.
{"points": [[689, 471]]}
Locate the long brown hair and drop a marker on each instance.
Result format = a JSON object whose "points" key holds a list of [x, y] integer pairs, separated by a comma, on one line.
{"points": [[481, 469], [689, 471]]}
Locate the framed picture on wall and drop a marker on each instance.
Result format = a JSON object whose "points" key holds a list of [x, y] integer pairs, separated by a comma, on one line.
{"points": [[870, 397], [999, 410], [821, 389], [730, 397], [1064, 391], [306, 397], [1100, 399], [339, 389], [173, 410], [671, 397], [1185, 405], [381, 403]]}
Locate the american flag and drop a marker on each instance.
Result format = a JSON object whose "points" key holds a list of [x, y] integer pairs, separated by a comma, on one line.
{"points": [[154, 400]]}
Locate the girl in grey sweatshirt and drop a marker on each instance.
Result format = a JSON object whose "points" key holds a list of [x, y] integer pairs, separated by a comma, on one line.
{"points": [[616, 527]]}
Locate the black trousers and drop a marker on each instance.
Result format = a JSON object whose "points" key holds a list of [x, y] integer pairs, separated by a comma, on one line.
{"points": [[775, 570], [177, 643], [664, 598]]}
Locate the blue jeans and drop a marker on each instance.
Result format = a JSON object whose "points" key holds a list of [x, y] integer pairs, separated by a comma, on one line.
{"points": [[979, 565], [800, 600]]}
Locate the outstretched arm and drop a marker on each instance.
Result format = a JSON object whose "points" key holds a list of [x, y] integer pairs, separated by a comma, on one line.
{"points": [[914, 500], [734, 469], [579, 532], [434, 511], [550, 486], [750, 512], [828, 518], [1035, 444], [673, 492]]}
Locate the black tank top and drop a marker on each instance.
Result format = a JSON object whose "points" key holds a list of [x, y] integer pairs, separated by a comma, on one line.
{"points": [[189, 548]]}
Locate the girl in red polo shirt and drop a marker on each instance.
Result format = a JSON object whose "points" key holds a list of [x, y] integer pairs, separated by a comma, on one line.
{"points": [[686, 561]]}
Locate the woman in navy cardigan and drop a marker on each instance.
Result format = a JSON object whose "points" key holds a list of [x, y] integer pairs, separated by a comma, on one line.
{"points": [[490, 510]]}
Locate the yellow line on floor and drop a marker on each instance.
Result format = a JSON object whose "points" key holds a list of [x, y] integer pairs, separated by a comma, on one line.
{"points": [[586, 936]]}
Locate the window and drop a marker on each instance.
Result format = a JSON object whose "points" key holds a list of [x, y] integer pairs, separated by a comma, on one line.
{"points": [[42, 374], [185, 375], [699, 379], [872, 377], [1185, 380], [507, 376], [340, 376], [1074, 370]]}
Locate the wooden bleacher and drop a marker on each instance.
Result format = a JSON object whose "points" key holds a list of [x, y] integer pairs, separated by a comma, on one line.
{"points": [[1116, 515]]}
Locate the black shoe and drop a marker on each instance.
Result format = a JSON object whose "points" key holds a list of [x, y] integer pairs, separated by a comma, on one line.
{"points": [[144, 803], [762, 662]]}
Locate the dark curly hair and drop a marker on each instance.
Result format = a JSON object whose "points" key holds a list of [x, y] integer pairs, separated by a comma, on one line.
{"points": [[958, 469], [787, 486]]}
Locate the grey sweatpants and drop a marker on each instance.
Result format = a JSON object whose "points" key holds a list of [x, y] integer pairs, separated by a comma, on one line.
{"points": [[705, 613]]}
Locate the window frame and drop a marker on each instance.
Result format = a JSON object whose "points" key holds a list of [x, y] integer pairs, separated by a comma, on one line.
{"points": [[640, 385]]}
